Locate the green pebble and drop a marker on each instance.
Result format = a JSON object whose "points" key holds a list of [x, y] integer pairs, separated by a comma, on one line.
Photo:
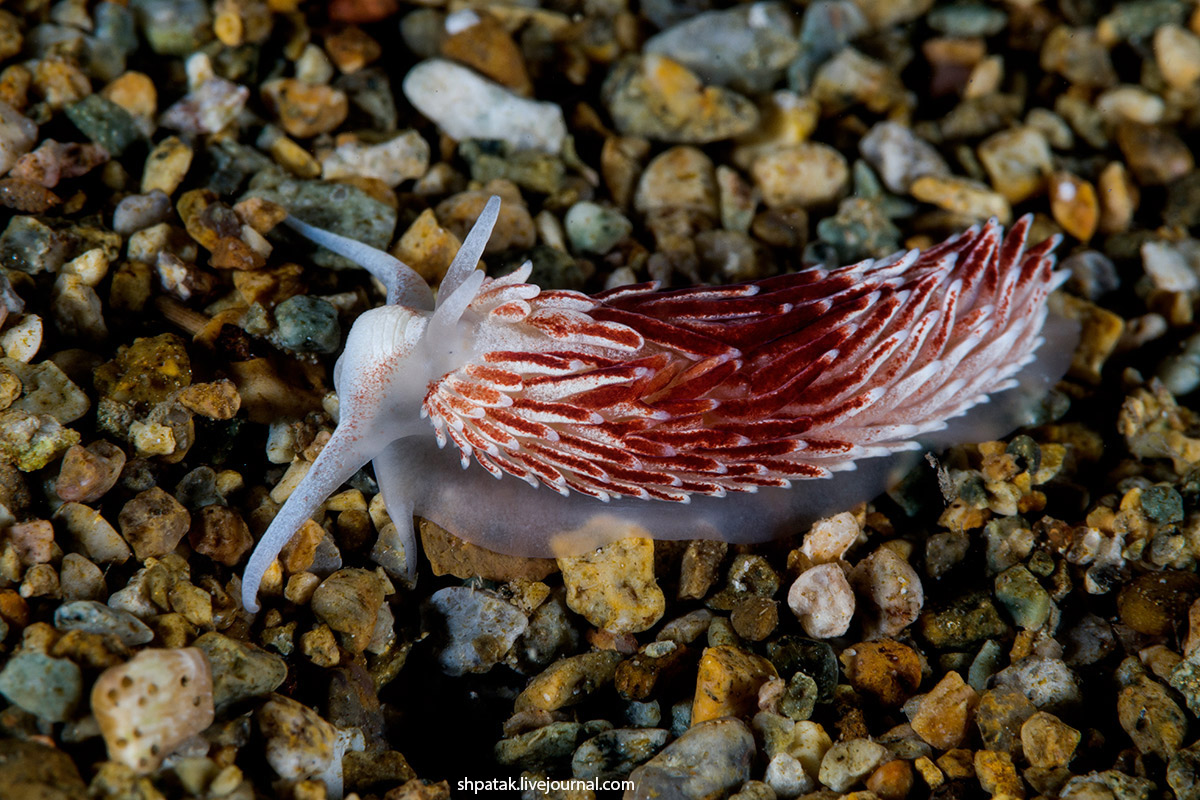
{"points": [[800, 698], [105, 123], [593, 228], [308, 324], [967, 19], [1027, 603], [174, 27], [1162, 504], [966, 621], [49, 688]]}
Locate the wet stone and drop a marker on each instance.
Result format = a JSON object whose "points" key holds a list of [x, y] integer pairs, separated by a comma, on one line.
{"points": [[147, 371], [92, 617], [239, 669], [1153, 720], [153, 523], [49, 688], [29, 245], [105, 123], [847, 763], [887, 669], [808, 175], [349, 602], [727, 683], [1048, 741], [658, 98], [479, 628], [999, 716], [612, 754], [301, 744], [790, 654], [613, 587], [710, 759], [548, 746], [1048, 682], [1152, 602], [569, 681], [593, 228], [308, 324], [944, 715], [900, 156], [746, 48], [1026, 602], [1155, 155], [30, 442], [965, 622], [46, 390]]}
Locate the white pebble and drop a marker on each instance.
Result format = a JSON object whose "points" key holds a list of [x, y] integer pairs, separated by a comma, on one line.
{"points": [[822, 600], [894, 589], [786, 775], [150, 705], [393, 162], [847, 763], [23, 338], [466, 105], [830, 538]]}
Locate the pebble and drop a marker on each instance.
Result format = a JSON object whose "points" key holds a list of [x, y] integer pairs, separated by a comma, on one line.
{"points": [[679, 178], [481, 41], [886, 669], [1154, 154], [153, 523], [151, 704], [479, 628], [596, 229], [136, 93], [850, 78], [81, 579], [449, 555], [1017, 162], [1078, 55], [303, 110], [997, 775], [1000, 714], [944, 715], [208, 108], [139, 211], [166, 166], [92, 617], [728, 682], [30, 442], [1169, 267], [657, 98], [239, 669], [399, 159], [1074, 204], [49, 688], [568, 681], [1177, 53], [894, 589], [1152, 602], [465, 105], [808, 175], [147, 371], [220, 533], [613, 754], [1048, 682], [46, 390], [900, 156], [301, 745], [1154, 721], [1110, 783], [710, 759], [967, 20], [546, 747], [847, 763], [93, 533], [307, 324], [17, 136], [821, 598], [613, 587], [892, 780], [746, 47], [1048, 742], [964, 196], [349, 602], [1019, 592], [105, 123]]}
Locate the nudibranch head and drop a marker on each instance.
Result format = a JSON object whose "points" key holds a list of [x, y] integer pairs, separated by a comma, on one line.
{"points": [[718, 405]]}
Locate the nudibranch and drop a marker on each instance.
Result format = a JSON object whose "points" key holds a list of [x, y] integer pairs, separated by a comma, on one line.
{"points": [[731, 412]]}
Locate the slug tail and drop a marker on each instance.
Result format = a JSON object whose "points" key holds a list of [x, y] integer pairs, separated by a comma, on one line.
{"points": [[341, 457]]}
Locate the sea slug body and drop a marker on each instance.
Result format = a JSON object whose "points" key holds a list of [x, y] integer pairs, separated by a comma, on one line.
{"points": [[729, 412]]}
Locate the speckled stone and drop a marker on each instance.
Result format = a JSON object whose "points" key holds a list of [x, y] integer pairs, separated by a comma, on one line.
{"points": [[709, 760], [887, 669], [92, 617], [808, 175], [1017, 162], [349, 602], [1154, 721], [821, 598], [30, 770], [658, 98], [49, 688], [613, 587], [164, 695], [894, 590], [945, 714], [304, 110], [1048, 742], [848, 762], [401, 158], [592, 228], [147, 371], [999, 716], [105, 123], [153, 523], [727, 683], [30, 441], [479, 628], [745, 47], [301, 744], [569, 681], [614, 753], [900, 156], [239, 669], [962, 623]]}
